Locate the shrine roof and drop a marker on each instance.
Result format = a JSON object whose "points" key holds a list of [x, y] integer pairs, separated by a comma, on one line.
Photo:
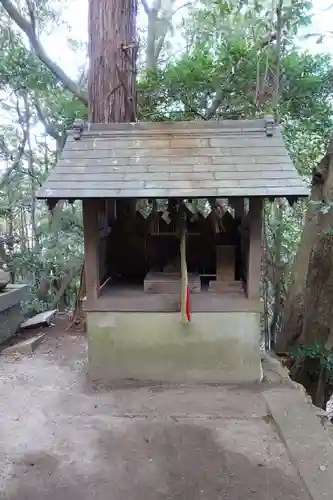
{"points": [[198, 159]]}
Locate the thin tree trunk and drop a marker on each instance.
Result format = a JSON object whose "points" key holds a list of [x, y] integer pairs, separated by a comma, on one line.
{"points": [[266, 283], [46, 155], [152, 13], [32, 175], [23, 243], [26, 230], [10, 236], [66, 281], [278, 274]]}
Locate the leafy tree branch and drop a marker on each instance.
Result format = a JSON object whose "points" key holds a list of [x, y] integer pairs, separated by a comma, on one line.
{"points": [[29, 29]]}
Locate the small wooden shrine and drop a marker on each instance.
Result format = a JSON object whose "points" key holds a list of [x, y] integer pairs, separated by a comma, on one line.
{"points": [[172, 234]]}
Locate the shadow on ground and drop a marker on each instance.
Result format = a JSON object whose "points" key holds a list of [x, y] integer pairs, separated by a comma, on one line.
{"points": [[152, 461]]}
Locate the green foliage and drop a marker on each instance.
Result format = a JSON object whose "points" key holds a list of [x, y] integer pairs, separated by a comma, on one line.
{"points": [[19, 68], [37, 250], [320, 353], [226, 71], [22, 72]]}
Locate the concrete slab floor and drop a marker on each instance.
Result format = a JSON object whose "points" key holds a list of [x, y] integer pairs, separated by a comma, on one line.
{"points": [[60, 440]]}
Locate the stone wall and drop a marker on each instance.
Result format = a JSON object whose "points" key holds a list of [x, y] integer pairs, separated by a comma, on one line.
{"points": [[10, 310], [10, 319]]}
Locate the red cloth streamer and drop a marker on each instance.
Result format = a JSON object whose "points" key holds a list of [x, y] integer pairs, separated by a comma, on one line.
{"points": [[188, 312]]}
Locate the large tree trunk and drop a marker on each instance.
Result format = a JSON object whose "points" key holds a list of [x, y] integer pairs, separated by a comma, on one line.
{"points": [[293, 315], [309, 321], [112, 55], [318, 311], [112, 65], [318, 301]]}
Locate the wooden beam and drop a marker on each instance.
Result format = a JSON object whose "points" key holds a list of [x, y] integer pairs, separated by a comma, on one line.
{"points": [[255, 248], [91, 247]]}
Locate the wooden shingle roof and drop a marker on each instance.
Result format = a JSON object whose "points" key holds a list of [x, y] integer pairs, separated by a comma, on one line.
{"points": [[174, 159]]}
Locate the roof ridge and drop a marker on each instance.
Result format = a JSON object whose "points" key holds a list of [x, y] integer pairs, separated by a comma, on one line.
{"points": [[187, 123]]}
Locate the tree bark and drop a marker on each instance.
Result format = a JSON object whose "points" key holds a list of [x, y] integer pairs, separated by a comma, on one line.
{"points": [[112, 54], [66, 281], [319, 285], [318, 300], [318, 311], [293, 314], [308, 315], [112, 73]]}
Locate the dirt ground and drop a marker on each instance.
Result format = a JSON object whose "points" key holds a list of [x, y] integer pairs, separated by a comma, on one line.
{"points": [[62, 439]]}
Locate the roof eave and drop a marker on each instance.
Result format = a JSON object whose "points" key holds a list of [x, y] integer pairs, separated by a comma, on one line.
{"points": [[282, 194]]}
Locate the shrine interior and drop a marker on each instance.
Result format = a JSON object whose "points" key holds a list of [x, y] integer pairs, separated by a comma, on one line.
{"points": [[139, 250]]}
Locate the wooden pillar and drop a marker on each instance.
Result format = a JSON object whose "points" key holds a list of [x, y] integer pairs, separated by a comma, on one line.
{"points": [[103, 240], [91, 248], [255, 250]]}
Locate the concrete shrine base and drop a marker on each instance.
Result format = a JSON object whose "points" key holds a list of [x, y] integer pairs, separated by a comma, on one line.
{"points": [[214, 347]]}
